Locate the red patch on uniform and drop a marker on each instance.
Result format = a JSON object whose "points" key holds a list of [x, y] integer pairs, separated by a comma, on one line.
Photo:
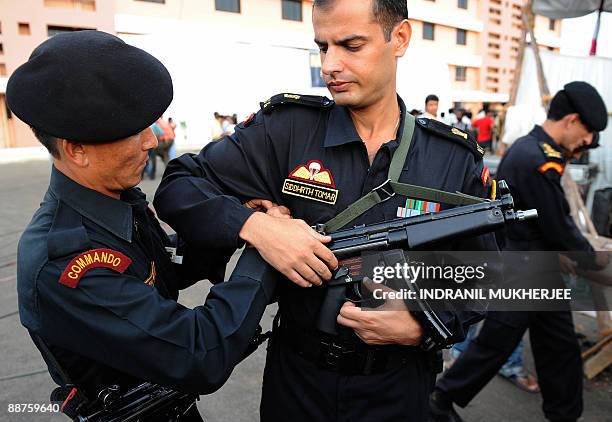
{"points": [[94, 258], [248, 120], [485, 176]]}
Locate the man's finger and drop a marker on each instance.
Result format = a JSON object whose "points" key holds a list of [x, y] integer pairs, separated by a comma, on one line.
{"points": [[351, 312], [266, 204], [321, 269], [296, 278], [309, 274], [259, 203], [350, 323], [282, 210], [320, 237], [327, 257], [279, 212], [371, 286]]}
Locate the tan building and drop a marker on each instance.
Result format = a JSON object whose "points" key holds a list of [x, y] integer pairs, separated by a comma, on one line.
{"points": [[26, 23], [480, 39], [501, 38], [474, 42], [140, 16], [452, 30]]}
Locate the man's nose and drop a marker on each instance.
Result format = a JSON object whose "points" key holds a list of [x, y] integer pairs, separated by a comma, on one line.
{"points": [[150, 140], [331, 62]]}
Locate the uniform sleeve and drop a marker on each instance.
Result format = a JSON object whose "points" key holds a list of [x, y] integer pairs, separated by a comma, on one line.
{"points": [[554, 220], [119, 321], [201, 196], [198, 264], [542, 190]]}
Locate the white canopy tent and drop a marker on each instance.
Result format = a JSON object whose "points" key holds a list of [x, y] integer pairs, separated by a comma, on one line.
{"points": [[561, 9]]}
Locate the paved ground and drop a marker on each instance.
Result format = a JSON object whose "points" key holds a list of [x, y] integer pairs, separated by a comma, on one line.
{"points": [[23, 377]]}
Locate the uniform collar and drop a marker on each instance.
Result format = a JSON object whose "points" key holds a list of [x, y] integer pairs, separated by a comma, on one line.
{"points": [[341, 129], [539, 132], [112, 214]]}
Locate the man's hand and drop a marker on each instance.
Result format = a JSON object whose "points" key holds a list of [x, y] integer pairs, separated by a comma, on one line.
{"points": [[567, 265], [269, 207], [292, 247], [389, 324], [602, 258]]}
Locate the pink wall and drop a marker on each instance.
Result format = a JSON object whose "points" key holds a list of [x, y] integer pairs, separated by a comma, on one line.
{"points": [[17, 48]]}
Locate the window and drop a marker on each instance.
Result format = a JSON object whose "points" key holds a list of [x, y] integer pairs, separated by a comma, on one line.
{"points": [[461, 37], [23, 28], [292, 10], [316, 79], [54, 30], [87, 5], [462, 4], [228, 5], [460, 73], [551, 24], [428, 31]]}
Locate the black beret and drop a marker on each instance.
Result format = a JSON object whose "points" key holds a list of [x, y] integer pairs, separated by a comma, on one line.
{"points": [[89, 87], [582, 98]]}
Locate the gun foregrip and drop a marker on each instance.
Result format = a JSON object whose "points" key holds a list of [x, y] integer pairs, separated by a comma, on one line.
{"points": [[334, 298]]}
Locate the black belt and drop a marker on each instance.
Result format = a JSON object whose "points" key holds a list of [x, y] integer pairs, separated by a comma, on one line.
{"points": [[345, 356]]}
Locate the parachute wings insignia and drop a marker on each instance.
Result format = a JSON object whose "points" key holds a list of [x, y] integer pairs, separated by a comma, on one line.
{"points": [[311, 181]]}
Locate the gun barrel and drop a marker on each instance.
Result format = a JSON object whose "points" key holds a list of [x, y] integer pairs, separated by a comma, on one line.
{"points": [[411, 236], [504, 203], [526, 215]]}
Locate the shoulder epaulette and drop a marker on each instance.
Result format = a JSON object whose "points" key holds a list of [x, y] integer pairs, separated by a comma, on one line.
{"points": [[453, 134], [304, 100], [550, 152]]}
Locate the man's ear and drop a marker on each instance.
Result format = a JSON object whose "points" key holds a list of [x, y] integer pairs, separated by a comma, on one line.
{"points": [[571, 119], [73, 152], [401, 37]]}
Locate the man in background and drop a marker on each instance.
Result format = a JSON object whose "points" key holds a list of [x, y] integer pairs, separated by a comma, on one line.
{"points": [[431, 107], [533, 167], [484, 130]]}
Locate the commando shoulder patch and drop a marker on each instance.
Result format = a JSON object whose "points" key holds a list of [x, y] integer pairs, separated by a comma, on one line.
{"points": [[452, 134], [303, 100], [94, 258], [552, 166]]}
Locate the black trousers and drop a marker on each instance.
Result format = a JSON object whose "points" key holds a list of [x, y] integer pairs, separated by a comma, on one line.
{"points": [[555, 350], [296, 390]]}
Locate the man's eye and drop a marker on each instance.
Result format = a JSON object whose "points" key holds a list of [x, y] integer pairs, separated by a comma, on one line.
{"points": [[353, 47], [323, 50]]}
